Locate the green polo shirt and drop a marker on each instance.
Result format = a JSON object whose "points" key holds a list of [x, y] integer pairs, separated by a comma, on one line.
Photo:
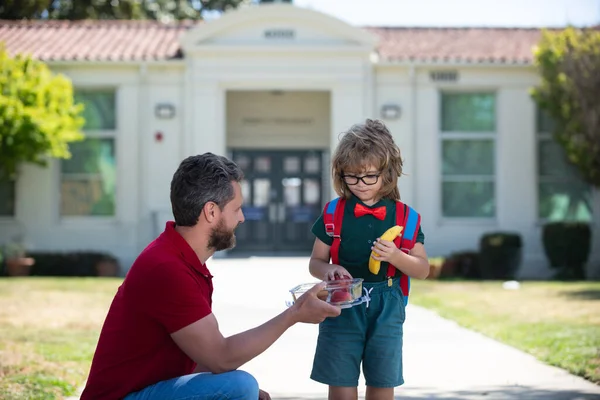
{"points": [[357, 237]]}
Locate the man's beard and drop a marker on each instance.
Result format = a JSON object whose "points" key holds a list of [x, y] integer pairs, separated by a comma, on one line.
{"points": [[221, 238]]}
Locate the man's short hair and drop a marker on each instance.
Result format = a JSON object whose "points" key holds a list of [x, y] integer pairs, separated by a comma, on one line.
{"points": [[198, 180]]}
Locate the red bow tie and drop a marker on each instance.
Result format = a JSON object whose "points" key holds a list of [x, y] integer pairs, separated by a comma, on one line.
{"points": [[378, 212]]}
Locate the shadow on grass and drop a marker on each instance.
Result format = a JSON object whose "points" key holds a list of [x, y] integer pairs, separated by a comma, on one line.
{"points": [[497, 393], [591, 294]]}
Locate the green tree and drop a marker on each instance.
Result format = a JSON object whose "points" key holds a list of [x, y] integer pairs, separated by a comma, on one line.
{"points": [[19, 9], [113, 9], [569, 64], [38, 115]]}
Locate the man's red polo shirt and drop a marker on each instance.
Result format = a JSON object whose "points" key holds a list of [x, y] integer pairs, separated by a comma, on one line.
{"points": [[166, 289]]}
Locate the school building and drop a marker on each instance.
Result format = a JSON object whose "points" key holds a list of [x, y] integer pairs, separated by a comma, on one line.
{"points": [[273, 86]]}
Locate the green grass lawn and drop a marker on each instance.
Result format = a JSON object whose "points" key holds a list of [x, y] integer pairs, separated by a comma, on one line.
{"points": [[48, 332], [559, 323], [49, 326]]}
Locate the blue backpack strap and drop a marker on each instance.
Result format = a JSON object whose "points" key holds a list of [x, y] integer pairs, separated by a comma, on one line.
{"points": [[411, 228]]}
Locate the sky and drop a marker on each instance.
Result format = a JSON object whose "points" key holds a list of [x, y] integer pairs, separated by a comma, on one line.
{"points": [[504, 13]]}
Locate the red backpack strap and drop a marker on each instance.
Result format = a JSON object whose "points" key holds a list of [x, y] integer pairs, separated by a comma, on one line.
{"points": [[400, 221], [333, 215], [410, 220]]}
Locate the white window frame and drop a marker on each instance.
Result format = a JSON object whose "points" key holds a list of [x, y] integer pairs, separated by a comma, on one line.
{"points": [[95, 220], [473, 135]]}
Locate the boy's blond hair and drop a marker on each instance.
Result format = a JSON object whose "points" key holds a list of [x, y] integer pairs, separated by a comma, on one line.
{"points": [[364, 145]]}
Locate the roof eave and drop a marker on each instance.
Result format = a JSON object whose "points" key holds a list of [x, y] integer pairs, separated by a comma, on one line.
{"points": [[179, 62], [418, 62]]}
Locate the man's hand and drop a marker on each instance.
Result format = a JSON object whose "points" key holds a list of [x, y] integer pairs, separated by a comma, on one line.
{"points": [[310, 309], [336, 272], [262, 395]]}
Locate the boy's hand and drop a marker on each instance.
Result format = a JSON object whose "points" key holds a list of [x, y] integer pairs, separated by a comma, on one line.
{"points": [[387, 251], [336, 272]]}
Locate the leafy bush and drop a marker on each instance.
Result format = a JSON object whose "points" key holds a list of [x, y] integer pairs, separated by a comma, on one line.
{"points": [[68, 263], [567, 246], [500, 255], [463, 264]]}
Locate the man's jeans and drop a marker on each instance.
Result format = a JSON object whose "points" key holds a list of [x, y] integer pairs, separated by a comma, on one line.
{"points": [[234, 385]]}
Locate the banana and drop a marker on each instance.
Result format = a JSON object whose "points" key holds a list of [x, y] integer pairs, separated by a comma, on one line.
{"points": [[388, 235]]}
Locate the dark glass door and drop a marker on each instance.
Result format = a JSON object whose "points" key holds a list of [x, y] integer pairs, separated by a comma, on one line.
{"points": [[282, 198]]}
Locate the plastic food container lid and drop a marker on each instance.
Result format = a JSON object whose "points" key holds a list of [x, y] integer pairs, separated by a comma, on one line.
{"points": [[341, 292]]}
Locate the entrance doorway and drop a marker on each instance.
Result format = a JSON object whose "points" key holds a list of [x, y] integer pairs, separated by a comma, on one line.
{"points": [[282, 198]]}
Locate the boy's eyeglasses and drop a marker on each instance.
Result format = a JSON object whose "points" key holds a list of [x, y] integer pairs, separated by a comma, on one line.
{"points": [[366, 179]]}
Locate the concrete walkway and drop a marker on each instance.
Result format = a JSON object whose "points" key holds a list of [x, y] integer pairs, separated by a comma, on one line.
{"points": [[442, 360]]}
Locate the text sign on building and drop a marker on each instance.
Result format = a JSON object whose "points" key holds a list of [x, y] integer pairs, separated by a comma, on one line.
{"points": [[444, 76], [280, 34]]}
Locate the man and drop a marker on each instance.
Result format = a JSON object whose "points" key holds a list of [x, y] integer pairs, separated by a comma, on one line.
{"points": [[160, 339]]}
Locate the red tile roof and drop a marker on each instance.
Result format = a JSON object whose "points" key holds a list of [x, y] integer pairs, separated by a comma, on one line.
{"points": [[93, 40], [148, 40], [470, 45]]}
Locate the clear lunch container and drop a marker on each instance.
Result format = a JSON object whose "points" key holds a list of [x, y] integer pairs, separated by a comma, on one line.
{"points": [[341, 292]]}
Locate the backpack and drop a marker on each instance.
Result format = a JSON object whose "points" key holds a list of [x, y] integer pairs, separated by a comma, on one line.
{"points": [[333, 215]]}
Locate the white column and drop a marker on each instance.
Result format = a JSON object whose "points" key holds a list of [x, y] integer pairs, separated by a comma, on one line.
{"points": [[188, 107], [427, 159], [346, 110], [516, 171], [208, 113], [128, 149]]}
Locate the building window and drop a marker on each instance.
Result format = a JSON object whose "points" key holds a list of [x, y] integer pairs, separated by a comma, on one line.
{"points": [[468, 143], [562, 194], [88, 178], [7, 198]]}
